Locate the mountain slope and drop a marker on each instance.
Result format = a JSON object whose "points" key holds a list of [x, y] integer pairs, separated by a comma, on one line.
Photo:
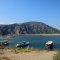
{"points": [[27, 28]]}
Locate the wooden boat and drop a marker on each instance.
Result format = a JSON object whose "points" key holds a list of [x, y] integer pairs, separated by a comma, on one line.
{"points": [[49, 45], [22, 44]]}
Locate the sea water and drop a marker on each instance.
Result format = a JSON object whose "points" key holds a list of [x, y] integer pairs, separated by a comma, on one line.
{"points": [[36, 41]]}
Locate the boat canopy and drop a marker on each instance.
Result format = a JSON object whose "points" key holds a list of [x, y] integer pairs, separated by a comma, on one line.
{"points": [[49, 42]]}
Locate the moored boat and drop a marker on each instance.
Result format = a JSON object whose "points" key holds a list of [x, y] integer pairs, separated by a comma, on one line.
{"points": [[4, 43], [22, 44], [49, 45]]}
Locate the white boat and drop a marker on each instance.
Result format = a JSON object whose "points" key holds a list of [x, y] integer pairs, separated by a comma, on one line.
{"points": [[22, 44]]}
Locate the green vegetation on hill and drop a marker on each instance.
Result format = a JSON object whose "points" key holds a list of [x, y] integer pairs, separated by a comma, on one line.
{"points": [[27, 28]]}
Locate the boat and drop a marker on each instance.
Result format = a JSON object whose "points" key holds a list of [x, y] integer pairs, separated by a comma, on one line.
{"points": [[49, 45], [4, 43], [22, 44]]}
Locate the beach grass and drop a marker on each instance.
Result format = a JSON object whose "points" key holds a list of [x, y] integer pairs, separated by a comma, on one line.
{"points": [[20, 50], [57, 56], [25, 50]]}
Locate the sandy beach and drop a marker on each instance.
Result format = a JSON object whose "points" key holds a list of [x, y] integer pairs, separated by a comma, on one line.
{"points": [[9, 55]]}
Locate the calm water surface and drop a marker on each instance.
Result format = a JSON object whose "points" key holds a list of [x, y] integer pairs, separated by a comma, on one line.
{"points": [[35, 41]]}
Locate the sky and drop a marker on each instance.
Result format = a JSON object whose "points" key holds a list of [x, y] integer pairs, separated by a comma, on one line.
{"points": [[19, 11]]}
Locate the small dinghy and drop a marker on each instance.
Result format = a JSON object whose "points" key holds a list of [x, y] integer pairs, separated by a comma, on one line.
{"points": [[22, 44]]}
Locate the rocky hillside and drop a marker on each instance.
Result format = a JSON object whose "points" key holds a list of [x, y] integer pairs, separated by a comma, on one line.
{"points": [[27, 28]]}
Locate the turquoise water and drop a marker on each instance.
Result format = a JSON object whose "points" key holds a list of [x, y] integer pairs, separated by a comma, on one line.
{"points": [[35, 41]]}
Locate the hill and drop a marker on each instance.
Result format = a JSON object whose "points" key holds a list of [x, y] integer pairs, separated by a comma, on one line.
{"points": [[27, 28]]}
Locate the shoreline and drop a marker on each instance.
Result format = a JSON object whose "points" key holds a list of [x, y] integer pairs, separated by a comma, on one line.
{"points": [[41, 34], [30, 35]]}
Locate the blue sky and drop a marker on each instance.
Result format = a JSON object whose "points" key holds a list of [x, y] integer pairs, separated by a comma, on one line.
{"points": [[19, 11]]}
